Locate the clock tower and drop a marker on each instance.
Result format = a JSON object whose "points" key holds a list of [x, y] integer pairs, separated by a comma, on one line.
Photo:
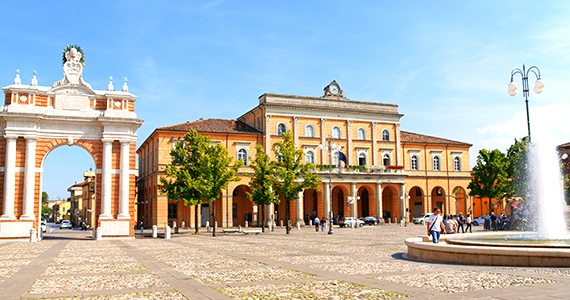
{"points": [[333, 91]]}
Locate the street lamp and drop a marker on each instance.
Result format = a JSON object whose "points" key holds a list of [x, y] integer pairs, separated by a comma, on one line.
{"points": [[538, 86], [331, 147]]}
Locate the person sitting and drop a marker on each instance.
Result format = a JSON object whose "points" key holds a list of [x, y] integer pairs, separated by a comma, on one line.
{"points": [[450, 225]]}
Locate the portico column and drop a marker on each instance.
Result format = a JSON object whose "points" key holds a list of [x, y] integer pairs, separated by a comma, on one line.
{"points": [[9, 179], [379, 202], [403, 214], [300, 218], [106, 180], [374, 145], [29, 179], [354, 205], [328, 198], [124, 181]]}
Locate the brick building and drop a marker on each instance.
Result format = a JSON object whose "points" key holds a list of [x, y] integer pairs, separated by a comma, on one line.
{"points": [[391, 173]]}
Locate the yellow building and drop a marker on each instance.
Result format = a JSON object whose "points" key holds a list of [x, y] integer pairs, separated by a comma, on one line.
{"points": [[392, 174]]}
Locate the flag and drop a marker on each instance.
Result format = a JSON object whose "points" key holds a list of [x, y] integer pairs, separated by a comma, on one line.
{"points": [[342, 157]]}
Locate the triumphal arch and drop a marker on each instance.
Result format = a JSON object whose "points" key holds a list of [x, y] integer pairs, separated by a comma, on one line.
{"points": [[37, 119]]}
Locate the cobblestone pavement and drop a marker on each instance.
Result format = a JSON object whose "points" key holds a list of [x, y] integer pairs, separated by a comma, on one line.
{"points": [[364, 263]]}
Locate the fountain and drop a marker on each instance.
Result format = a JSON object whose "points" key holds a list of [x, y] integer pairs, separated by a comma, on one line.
{"points": [[548, 245]]}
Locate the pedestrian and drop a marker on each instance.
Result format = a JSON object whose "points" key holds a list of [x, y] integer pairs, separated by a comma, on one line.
{"points": [[487, 223], [435, 225], [450, 225], [493, 221], [323, 224], [317, 223], [469, 223], [460, 222]]}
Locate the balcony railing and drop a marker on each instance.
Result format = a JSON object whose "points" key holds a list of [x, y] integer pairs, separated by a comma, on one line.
{"points": [[361, 169]]}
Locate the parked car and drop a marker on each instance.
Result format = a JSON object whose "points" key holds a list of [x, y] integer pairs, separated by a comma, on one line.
{"points": [[370, 221], [350, 222], [65, 224], [423, 219], [478, 221], [43, 225]]}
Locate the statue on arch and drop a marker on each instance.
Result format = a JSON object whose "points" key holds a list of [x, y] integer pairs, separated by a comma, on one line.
{"points": [[73, 63]]}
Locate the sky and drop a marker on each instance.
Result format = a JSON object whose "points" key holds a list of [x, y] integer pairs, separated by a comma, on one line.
{"points": [[446, 64]]}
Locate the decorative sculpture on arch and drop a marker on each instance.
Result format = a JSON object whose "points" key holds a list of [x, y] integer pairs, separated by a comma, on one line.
{"points": [[73, 69]]}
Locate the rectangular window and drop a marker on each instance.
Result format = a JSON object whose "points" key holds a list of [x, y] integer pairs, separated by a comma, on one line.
{"points": [[234, 210]]}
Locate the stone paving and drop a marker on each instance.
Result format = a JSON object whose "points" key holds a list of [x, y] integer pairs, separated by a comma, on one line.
{"points": [[364, 263]]}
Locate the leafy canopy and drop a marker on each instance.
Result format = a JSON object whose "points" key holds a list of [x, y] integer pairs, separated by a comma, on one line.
{"points": [[490, 176], [261, 185]]}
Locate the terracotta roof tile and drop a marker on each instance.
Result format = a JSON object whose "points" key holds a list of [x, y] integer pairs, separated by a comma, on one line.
{"points": [[566, 145], [420, 138], [213, 125]]}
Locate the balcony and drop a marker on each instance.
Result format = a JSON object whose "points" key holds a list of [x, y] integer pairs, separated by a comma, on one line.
{"points": [[361, 169]]}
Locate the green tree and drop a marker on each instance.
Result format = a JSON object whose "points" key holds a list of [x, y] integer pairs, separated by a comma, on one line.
{"points": [[198, 172], [517, 170], [46, 211], [261, 185], [45, 198], [292, 175], [490, 176]]}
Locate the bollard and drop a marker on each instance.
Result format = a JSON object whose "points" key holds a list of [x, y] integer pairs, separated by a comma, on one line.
{"points": [[183, 225], [99, 234], [216, 224], [401, 222], [281, 223], [207, 226], [395, 220], [154, 231], [298, 225], [142, 230], [33, 237], [239, 228], [246, 224], [167, 232], [389, 221], [270, 227], [311, 223]]}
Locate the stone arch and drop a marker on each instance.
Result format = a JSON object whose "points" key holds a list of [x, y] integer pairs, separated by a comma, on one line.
{"points": [[339, 197], [242, 206], [366, 204], [37, 120], [416, 202], [438, 199], [311, 205], [460, 203], [390, 203]]}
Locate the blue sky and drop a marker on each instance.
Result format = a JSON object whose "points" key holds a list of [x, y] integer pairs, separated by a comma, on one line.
{"points": [[447, 65]]}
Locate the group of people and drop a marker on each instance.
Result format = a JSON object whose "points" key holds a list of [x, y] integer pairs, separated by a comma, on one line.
{"points": [[322, 223], [314, 217], [438, 224]]}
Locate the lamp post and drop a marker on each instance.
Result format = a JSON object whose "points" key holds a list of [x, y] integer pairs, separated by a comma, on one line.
{"points": [[331, 147], [538, 86]]}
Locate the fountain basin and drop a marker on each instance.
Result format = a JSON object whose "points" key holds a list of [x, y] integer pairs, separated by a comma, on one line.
{"points": [[480, 249]]}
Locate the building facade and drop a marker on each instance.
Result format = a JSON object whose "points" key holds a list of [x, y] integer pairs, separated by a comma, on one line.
{"points": [[391, 174]]}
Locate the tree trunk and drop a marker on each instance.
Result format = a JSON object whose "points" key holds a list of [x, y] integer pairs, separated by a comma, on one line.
{"points": [[262, 218], [196, 230], [287, 217], [213, 217]]}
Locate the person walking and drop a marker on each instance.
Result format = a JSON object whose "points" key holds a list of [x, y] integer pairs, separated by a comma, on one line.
{"points": [[493, 221], [460, 222], [435, 225], [317, 223], [469, 223], [323, 224], [450, 225]]}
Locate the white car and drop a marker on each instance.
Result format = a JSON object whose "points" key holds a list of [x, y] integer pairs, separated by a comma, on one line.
{"points": [[423, 219], [65, 224], [350, 222], [43, 225], [478, 221]]}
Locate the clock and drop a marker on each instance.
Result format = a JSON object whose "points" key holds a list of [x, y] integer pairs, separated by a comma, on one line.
{"points": [[333, 89], [23, 98]]}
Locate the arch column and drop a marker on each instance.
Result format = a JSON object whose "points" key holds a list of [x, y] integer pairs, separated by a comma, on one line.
{"points": [[300, 205], [403, 214], [379, 202], [328, 198], [9, 179], [124, 181], [353, 211], [29, 179], [106, 180]]}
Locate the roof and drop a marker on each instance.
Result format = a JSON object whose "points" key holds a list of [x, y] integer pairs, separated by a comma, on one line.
{"points": [[406, 136], [564, 145], [214, 126]]}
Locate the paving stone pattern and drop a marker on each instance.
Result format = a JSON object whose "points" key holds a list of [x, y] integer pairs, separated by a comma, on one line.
{"points": [[364, 263]]}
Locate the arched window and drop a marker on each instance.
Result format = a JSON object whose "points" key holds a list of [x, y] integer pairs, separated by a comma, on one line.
{"points": [[281, 129], [336, 133], [386, 159], [385, 135], [414, 163], [336, 159], [362, 159], [310, 157], [309, 131], [436, 166], [361, 134], [456, 164], [242, 155]]}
